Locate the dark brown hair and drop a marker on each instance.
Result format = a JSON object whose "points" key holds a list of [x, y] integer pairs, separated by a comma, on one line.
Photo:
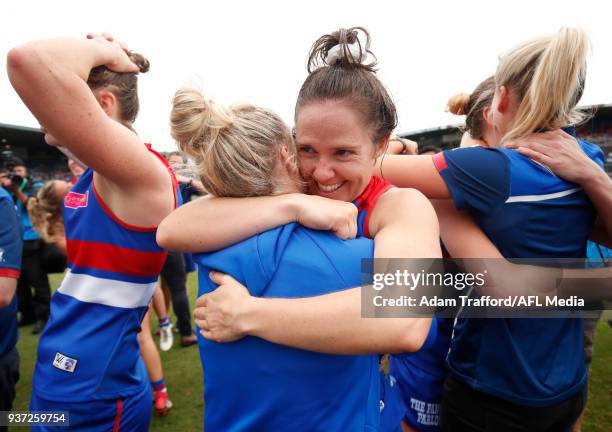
{"points": [[349, 78], [473, 105], [122, 85]]}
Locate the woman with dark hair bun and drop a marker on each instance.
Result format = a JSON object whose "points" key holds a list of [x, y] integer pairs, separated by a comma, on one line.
{"points": [[344, 118], [84, 94]]}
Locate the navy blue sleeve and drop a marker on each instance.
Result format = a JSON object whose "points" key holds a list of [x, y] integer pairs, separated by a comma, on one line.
{"points": [[477, 178], [11, 243]]}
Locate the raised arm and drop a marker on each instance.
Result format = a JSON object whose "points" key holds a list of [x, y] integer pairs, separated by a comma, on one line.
{"points": [[51, 76], [332, 323], [225, 221]]}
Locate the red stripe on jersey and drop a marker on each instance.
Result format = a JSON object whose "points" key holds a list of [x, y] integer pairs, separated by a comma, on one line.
{"points": [[103, 256], [118, 416], [116, 218], [439, 161], [368, 199], [10, 273]]}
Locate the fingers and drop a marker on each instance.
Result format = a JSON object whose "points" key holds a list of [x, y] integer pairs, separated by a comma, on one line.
{"points": [[220, 278], [534, 155], [202, 301]]}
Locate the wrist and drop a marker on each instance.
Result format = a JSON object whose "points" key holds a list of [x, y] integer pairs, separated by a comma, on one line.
{"points": [[290, 206], [593, 176], [248, 322]]}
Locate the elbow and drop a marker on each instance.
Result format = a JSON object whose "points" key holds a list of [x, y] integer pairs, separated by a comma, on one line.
{"points": [[164, 237], [171, 237], [7, 291], [413, 338], [18, 58], [4, 301]]}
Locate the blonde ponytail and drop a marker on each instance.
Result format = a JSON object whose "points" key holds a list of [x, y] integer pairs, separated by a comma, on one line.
{"points": [[547, 75]]}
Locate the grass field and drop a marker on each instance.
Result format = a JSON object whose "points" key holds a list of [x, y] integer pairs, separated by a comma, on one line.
{"points": [[183, 375]]}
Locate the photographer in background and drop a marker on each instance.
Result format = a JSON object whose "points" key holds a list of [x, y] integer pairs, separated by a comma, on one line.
{"points": [[33, 309]]}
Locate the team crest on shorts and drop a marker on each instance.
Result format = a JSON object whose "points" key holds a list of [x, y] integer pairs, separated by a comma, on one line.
{"points": [[76, 200], [65, 363]]}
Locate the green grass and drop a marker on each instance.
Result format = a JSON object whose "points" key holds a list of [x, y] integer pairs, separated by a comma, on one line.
{"points": [[183, 376]]}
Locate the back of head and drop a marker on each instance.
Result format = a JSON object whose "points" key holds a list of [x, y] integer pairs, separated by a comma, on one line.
{"points": [[236, 149], [45, 212], [339, 69], [547, 75], [123, 85], [473, 105]]}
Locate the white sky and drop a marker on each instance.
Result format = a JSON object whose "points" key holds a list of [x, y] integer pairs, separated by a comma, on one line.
{"points": [[255, 51]]}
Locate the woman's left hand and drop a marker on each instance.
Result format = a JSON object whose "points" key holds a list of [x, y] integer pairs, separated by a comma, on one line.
{"points": [[121, 61], [219, 314], [560, 152]]}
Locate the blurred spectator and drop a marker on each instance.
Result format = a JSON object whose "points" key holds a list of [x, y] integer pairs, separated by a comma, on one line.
{"points": [[33, 309]]}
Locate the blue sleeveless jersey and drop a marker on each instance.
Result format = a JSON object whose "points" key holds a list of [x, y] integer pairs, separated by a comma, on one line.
{"points": [[527, 212], [89, 348], [253, 384], [11, 245]]}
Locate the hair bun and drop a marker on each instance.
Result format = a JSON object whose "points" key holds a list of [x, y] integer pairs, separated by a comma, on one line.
{"points": [[197, 122], [140, 61], [458, 104], [344, 48]]}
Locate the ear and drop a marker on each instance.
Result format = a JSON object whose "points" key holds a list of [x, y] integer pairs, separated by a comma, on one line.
{"points": [[381, 147], [287, 160], [107, 101], [504, 99]]}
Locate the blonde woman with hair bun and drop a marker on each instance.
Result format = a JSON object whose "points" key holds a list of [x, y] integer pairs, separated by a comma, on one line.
{"points": [[253, 384]]}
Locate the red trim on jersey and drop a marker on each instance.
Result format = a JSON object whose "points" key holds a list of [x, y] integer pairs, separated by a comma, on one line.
{"points": [[439, 161], [103, 256], [368, 199], [10, 273], [175, 184], [118, 416], [116, 218]]}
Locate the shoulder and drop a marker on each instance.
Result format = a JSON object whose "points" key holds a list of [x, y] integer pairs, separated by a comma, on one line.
{"points": [[472, 156], [402, 204], [403, 197], [593, 151]]}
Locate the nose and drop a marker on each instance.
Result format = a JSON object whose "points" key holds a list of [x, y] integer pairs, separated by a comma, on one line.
{"points": [[323, 171]]}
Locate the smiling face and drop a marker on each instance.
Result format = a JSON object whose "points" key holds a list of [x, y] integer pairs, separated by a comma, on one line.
{"points": [[335, 150]]}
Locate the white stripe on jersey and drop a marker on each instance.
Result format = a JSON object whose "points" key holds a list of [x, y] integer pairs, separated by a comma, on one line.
{"points": [[534, 198], [108, 292]]}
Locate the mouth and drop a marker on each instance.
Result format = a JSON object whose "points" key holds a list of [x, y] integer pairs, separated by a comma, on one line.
{"points": [[328, 188]]}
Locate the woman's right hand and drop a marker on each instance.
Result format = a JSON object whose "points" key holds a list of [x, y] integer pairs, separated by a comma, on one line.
{"points": [[326, 214], [219, 314], [121, 61]]}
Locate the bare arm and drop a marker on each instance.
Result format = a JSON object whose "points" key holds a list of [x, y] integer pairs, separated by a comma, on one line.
{"points": [[7, 290], [235, 219], [50, 77], [332, 323], [416, 172]]}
